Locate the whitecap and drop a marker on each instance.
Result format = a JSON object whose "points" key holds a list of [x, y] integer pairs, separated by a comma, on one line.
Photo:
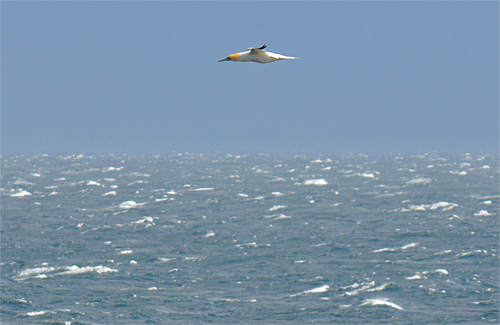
{"points": [[385, 249], [412, 207], [411, 245], [109, 193], [442, 271], [201, 189], [448, 251], [23, 182], [21, 193], [413, 277], [366, 175], [129, 205], [87, 269], [277, 207], [319, 182], [460, 173], [111, 169], [36, 313], [276, 179], [126, 252], [394, 249], [137, 182], [277, 194], [380, 287], [483, 213], [358, 288], [140, 174], [33, 272], [282, 216], [474, 252], [164, 259], [445, 205], [419, 180], [253, 244], [41, 272], [321, 289], [143, 220], [93, 183], [242, 195], [209, 234], [381, 302]]}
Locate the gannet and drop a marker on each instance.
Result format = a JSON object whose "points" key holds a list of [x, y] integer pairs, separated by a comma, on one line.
{"points": [[257, 54]]}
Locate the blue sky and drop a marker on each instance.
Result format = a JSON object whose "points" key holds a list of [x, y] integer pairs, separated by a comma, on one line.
{"points": [[143, 77]]}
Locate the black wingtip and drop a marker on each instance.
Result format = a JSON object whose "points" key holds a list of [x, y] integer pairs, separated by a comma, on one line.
{"points": [[262, 47]]}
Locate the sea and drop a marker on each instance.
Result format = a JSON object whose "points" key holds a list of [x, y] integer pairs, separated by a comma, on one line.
{"points": [[187, 238]]}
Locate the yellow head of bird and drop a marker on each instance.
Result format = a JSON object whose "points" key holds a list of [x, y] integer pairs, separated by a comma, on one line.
{"points": [[232, 57]]}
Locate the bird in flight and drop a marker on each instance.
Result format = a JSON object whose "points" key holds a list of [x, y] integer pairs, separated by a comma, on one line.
{"points": [[257, 54]]}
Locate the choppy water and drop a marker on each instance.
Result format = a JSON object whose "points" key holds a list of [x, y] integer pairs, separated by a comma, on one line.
{"points": [[250, 239]]}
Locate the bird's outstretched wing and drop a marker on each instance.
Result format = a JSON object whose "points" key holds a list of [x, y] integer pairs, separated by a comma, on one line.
{"points": [[257, 49]]}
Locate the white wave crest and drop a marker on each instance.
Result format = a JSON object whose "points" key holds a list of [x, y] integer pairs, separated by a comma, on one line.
{"points": [[358, 288], [21, 193], [381, 302], [394, 249], [419, 180], [321, 289], [483, 213], [45, 272], [130, 204], [277, 207], [87, 269], [319, 182]]}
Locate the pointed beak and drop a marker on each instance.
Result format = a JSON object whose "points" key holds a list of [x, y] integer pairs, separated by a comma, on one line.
{"points": [[225, 59]]}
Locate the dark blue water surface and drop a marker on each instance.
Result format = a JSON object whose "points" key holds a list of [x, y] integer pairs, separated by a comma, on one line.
{"points": [[192, 238]]}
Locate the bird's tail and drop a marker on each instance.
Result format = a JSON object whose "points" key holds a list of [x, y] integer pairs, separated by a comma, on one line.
{"points": [[284, 57]]}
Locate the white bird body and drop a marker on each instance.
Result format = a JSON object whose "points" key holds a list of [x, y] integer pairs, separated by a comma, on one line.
{"points": [[259, 55]]}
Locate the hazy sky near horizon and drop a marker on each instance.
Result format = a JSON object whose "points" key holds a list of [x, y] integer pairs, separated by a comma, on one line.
{"points": [[143, 77]]}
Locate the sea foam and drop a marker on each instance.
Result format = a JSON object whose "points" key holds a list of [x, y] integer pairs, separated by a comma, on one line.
{"points": [[381, 302], [319, 182], [21, 193]]}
